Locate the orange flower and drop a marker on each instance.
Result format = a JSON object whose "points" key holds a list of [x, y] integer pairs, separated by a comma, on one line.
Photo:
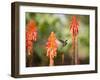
{"points": [[51, 47], [74, 26], [31, 35]]}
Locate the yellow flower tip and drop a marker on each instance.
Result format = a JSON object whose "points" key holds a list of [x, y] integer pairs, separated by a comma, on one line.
{"points": [[52, 32], [52, 36]]}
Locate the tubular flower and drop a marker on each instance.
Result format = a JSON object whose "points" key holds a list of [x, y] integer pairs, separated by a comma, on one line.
{"points": [[51, 47], [74, 30], [31, 35], [74, 26]]}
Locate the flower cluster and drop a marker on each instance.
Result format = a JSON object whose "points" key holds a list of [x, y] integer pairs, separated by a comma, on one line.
{"points": [[31, 35], [51, 46], [74, 26]]}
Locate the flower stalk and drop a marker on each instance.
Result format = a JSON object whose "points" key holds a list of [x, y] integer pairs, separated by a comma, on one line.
{"points": [[74, 29], [31, 37], [51, 47]]}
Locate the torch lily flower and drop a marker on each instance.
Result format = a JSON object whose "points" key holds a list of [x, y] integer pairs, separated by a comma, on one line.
{"points": [[74, 31], [31, 35], [74, 26], [51, 47]]}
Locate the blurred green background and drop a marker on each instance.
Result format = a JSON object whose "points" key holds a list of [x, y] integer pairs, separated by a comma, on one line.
{"points": [[60, 25]]}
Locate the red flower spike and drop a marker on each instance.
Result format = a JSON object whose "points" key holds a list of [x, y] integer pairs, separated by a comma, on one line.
{"points": [[74, 30], [31, 35], [74, 26], [51, 47]]}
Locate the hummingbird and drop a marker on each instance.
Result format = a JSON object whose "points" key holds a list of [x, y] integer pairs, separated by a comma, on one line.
{"points": [[64, 42]]}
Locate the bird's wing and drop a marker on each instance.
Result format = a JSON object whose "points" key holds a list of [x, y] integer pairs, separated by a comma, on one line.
{"points": [[61, 41]]}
